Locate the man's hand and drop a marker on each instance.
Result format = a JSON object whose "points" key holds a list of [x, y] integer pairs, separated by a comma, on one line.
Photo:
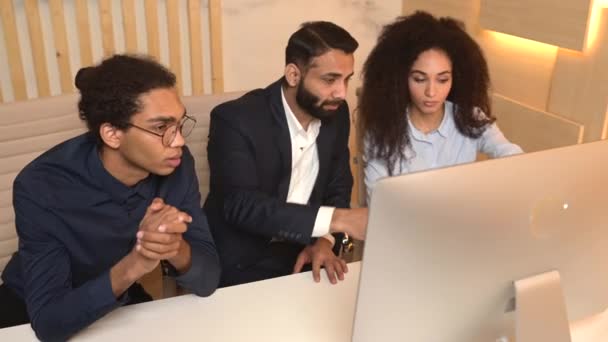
{"points": [[320, 254], [129, 270], [160, 235], [350, 221]]}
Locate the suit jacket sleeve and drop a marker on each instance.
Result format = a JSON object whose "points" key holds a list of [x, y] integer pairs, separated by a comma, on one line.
{"points": [[235, 182]]}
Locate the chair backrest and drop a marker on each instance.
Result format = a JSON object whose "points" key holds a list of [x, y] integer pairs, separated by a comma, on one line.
{"points": [[200, 107], [29, 128]]}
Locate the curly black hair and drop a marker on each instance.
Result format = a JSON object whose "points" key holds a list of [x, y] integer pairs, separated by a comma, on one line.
{"points": [[110, 92], [385, 94]]}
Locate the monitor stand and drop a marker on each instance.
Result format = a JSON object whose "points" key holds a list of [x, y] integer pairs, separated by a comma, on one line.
{"points": [[540, 310]]}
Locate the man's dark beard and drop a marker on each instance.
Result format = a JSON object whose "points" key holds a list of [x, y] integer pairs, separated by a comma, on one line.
{"points": [[308, 101]]}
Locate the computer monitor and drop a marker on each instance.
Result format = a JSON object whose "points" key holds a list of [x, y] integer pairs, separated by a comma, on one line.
{"points": [[444, 247]]}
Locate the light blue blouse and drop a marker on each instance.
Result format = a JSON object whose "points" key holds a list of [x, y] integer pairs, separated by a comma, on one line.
{"points": [[445, 146]]}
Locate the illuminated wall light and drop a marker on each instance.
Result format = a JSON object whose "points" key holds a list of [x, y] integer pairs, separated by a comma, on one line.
{"points": [[594, 21], [517, 43], [605, 127]]}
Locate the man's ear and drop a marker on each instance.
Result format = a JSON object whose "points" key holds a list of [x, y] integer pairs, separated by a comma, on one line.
{"points": [[292, 74], [110, 135]]}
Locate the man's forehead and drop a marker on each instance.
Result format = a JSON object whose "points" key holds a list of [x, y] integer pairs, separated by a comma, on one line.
{"points": [[333, 61], [161, 100], [162, 106]]}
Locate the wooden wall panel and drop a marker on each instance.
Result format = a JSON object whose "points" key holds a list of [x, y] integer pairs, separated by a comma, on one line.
{"points": [[107, 29], [129, 25], [580, 84], [174, 41], [61, 45], [215, 28], [84, 32], [151, 7], [58, 21], [532, 129], [466, 11], [196, 46], [37, 46], [519, 69], [7, 14], [560, 23]]}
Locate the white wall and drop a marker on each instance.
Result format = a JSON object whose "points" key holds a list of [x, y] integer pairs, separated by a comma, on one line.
{"points": [[255, 33]]}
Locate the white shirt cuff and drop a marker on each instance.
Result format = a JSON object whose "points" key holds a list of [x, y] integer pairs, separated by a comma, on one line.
{"points": [[322, 223]]}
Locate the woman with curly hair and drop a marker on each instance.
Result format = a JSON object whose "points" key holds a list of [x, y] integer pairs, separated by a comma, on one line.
{"points": [[425, 101]]}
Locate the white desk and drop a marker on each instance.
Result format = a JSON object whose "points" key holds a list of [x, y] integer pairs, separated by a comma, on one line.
{"points": [[291, 308]]}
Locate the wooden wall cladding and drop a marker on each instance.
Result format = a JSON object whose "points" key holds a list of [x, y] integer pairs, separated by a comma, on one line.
{"points": [[43, 43], [532, 129], [580, 84], [560, 23]]}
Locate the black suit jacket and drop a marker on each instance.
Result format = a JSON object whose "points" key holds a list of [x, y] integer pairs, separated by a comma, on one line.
{"points": [[249, 155]]}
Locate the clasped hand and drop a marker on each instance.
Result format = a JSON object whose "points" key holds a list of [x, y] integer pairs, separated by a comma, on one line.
{"points": [[160, 232]]}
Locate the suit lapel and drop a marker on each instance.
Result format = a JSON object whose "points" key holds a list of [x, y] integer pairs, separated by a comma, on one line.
{"points": [[282, 138]]}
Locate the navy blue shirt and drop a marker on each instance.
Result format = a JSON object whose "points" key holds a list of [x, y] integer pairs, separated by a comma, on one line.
{"points": [[75, 221]]}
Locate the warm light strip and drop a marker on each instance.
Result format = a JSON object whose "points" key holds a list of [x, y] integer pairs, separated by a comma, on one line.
{"points": [[513, 42], [591, 37], [605, 127], [594, 21]]}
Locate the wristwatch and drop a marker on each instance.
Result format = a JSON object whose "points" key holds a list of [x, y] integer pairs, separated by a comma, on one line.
{"points": [[347, 244]]}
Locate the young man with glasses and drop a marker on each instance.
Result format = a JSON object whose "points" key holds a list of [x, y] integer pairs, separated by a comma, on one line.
{"points": [[99, 211]]}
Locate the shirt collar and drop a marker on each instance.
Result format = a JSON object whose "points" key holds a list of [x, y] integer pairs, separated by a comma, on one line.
{"points": [[448, 120], [118, 191], [447, 123]]}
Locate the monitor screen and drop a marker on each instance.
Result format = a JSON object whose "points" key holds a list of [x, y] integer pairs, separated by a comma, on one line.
{"points": [[444, 247]]}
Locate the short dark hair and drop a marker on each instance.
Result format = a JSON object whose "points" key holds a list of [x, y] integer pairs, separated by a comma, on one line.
{"points": [[110, 91], [315, 38]]}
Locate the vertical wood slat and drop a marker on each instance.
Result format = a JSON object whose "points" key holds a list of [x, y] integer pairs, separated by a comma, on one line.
{"points": [[37, 45], [7, 12], [61, 45], [151, 7], [107, 31], [129, 25], [196, 48], [215, 28], [84, 32], [174, 41]]}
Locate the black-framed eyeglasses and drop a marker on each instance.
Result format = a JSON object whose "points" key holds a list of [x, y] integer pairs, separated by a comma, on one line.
{"points": [[185, 126]]}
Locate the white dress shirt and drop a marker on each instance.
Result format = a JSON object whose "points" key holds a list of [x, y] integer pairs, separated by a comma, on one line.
{"points": [[445, 146], [305, 168]]}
